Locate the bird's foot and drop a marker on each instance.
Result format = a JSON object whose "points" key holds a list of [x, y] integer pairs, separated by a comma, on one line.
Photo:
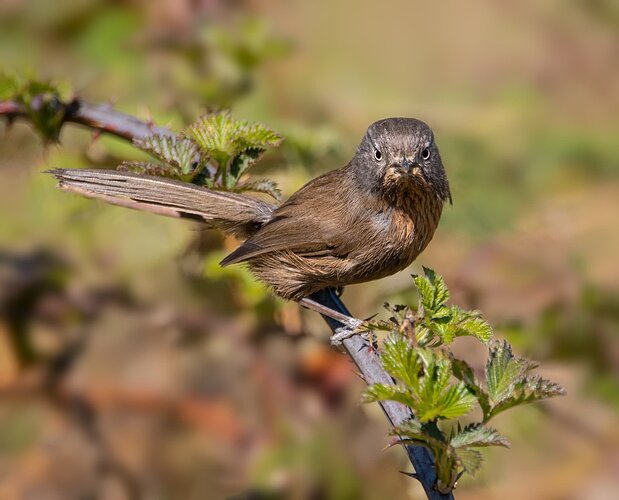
{"points": [[345, 332]]}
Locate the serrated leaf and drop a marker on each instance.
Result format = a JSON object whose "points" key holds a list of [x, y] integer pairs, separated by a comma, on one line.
{"points": [[255, 135], [470, 460], [503, 371], [509, 382], [471, 324], [180, 154], [462, 371], [383, 392], [143, 167], [421, 434], [441, 292], [241, 162], [475, 326], [400, 361], [528, 390], [426, 292], [437, 397], [452, 402], [261, 186], [223, 138], [214, 134], [476, 435], [442, 313]]}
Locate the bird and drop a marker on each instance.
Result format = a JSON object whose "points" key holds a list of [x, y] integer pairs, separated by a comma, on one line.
{"points": [[362, 222]]}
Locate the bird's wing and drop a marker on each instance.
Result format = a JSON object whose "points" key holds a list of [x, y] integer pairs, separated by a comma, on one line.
{"points": [[312, 223]]}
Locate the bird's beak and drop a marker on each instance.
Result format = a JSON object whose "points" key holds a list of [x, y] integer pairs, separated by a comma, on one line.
{"points": [[408, 167]]}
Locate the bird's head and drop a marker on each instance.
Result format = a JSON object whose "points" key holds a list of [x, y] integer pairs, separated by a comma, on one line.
{"points": [[398, 155]]}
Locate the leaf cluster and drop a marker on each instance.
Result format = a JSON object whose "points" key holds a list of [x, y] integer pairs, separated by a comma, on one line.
{"points": [[437, 386], [215, 151], [44, 102], [433, 323]]}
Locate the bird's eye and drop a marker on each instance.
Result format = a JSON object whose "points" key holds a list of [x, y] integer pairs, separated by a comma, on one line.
{"points": [[378, 155], [425, 154]]}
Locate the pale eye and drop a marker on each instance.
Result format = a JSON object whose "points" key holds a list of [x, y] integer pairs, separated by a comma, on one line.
{"points": [[378, 155], [425, 154]]}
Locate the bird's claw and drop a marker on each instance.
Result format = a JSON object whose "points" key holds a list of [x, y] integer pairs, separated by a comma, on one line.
{"points": [[347, 331]]}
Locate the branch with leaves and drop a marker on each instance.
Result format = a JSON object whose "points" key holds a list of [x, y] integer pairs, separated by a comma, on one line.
{"points": [[230, 146], [438, 387]]}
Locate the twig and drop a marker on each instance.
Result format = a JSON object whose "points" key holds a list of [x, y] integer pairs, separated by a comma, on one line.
{"points": [[106, 119], [101, 117]]}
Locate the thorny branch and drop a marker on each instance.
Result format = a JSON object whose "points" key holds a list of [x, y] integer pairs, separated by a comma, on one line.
{"points": [[104, 118]]}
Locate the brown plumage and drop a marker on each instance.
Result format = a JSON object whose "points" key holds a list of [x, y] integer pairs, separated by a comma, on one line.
{"points": [[362, 222]]}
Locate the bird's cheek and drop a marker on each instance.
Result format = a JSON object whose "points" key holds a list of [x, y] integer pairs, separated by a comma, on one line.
{"points": [[416, 171]]}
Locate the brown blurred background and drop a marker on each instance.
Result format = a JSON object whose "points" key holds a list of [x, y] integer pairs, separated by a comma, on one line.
{"points": [[131, 366]]}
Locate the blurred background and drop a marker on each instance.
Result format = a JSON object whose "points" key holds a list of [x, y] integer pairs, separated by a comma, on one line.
{"points": [[132, 367]]}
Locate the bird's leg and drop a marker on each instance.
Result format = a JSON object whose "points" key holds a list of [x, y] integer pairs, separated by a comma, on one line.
{"points": [[347, 321], [349, 325], [345, 332]]}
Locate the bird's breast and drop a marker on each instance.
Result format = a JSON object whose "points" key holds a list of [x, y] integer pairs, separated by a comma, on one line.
{"points": [[399, 233]]}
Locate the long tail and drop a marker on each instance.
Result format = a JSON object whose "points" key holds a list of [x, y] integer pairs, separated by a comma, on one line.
{"points": [[237, 214]]}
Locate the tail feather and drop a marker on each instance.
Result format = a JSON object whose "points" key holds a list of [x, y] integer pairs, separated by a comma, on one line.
{"points": [[234, 213]]}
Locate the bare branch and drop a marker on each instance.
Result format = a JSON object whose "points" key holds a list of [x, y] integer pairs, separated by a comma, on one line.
{"points": [[102, 117]]}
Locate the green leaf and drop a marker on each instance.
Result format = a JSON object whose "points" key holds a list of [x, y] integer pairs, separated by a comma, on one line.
{"points": [[221, 137], [437, 397], [462, 371], [426, 292], [215, 134], [261, 186], [530, 389], [242, 162], [180, 154], [470, 460], [44, 102], [419, 433], [441, 313], [401, 361], [503, 371], [441, 293], [432, 290], [143, 167], [509, 383], [473, 325], [476, 435], [383, 392], [255, 135]]}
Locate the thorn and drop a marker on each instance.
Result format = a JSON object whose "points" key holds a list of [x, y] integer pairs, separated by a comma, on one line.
{"points": [[410, 474], [150, 121]]}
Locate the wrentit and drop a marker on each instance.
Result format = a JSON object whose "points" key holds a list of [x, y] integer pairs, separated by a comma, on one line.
{"points": [[358, 223]]}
